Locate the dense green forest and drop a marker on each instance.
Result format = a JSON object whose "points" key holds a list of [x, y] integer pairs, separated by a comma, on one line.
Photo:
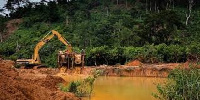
{"points": [[110, 31]]}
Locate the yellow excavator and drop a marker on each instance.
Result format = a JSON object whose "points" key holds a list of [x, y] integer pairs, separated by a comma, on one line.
{"points": [[66, 58]]}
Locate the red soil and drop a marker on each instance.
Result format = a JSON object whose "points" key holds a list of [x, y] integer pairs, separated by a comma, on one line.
{"points": [[15, 85], [43, 83], [134, 63]]}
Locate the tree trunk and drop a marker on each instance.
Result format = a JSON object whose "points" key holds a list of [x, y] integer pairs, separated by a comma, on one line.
{"points": [[107, 12], [17, 47], [155, 6], [1, 37], [188, 15], [187, 18], [126, 4], [150, 5], [146, 7], [167, 6], [66, 21]]}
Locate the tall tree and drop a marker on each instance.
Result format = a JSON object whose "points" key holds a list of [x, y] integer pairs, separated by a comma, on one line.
{"points": [[11, 4], [188, 14]]}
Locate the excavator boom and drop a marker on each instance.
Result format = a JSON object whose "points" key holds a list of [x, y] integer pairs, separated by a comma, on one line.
{"points": [[35, 58]]}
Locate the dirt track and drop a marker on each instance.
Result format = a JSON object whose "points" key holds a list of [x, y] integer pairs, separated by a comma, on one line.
{"points": [[29, 84]]}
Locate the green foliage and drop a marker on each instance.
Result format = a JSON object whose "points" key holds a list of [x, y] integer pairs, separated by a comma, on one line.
{"points": [[73, 86], [181, 85], [147, 53], [110, 33], [193, 51], [86, 87], [161, 27], [83, 87]]}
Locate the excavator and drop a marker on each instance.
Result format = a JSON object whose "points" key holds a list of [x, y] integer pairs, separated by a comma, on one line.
{"points": [[66, 58]]}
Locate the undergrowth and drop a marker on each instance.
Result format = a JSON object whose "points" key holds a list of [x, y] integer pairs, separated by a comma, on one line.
{"points": [[81, 88], [182, 84]]}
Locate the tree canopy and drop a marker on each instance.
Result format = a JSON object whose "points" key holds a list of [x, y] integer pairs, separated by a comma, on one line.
{"points": [[112, 31]]}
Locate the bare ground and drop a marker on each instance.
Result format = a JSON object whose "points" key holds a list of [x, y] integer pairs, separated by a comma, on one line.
{"points": [[29, 84], [42, 84]]}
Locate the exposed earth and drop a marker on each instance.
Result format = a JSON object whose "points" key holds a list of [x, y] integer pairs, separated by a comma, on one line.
{"points": [[11, 27], [30, 84], [43, 83]]}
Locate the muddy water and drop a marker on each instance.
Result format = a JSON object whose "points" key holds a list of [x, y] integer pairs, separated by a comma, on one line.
{"points": [[121, 88], [125, 88]]}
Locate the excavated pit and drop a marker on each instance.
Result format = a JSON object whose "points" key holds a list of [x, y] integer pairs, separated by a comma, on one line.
{"points": [[42, 83]]}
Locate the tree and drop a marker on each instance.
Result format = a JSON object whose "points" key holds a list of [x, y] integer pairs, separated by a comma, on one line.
{"points": [[188, 15], [161, 27], [10, 4]]}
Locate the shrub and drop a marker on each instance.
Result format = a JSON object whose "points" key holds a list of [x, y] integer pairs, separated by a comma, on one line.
{"points": [[174, 53], [147, 54], [132, 52], [193, 51], [85, 88], [81, 88], [182, 84], [73, 86]]}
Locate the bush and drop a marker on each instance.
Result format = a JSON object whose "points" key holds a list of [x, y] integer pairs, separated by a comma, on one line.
{"points": [[150, 54], [82, 88], [174, 53], [73, 86], [181, 85], [193, 51], [85, 88], [132, 52], [146, 54]]}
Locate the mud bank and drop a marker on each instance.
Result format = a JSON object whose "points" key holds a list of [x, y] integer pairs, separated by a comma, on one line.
{"points": [[29, 84], [144, 70]]}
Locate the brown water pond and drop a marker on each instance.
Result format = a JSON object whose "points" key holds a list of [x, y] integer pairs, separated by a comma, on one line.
{"points": [[121, 88], [125, 88]]}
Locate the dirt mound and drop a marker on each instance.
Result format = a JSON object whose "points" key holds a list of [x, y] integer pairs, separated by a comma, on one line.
{"points": [[134, 63], [7, 68], [51, 82], [13, 86]]}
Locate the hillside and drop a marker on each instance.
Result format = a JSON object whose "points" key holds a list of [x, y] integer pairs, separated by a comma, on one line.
{"points": [[111, 32]]}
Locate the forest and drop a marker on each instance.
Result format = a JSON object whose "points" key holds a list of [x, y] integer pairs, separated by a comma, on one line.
{"points": [[110, 31]]}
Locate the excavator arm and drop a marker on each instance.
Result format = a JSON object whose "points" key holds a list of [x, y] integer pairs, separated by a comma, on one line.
{"points": [[35, 58], [45, 40], [63, 40]]}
